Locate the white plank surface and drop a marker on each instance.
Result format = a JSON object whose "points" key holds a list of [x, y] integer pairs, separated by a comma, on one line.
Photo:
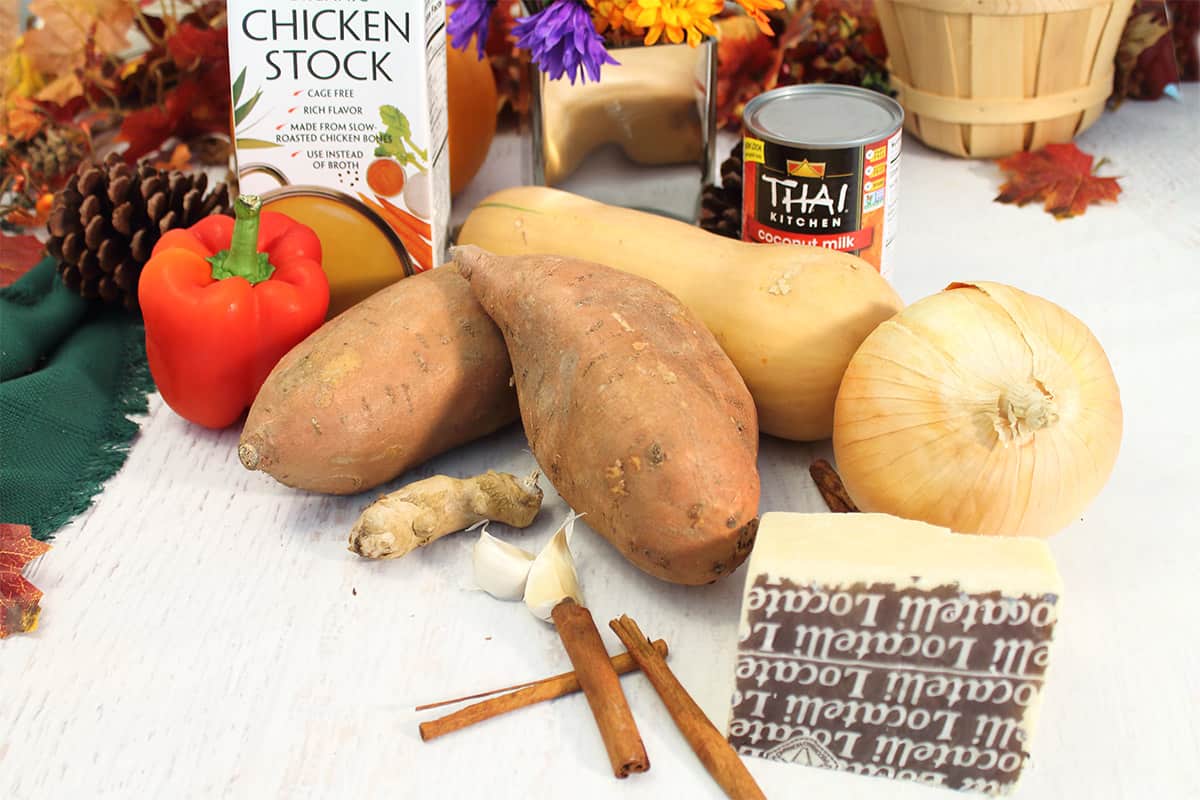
{"points": [[205, 632]]}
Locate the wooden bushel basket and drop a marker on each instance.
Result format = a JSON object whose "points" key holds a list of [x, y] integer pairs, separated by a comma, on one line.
{"points": [[986, 78]]}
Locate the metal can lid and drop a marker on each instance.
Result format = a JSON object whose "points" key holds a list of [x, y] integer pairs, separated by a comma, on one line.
{"points": [[822, 115]]}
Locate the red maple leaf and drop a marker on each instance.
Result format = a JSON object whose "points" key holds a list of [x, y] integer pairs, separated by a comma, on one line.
{"points": [[191, 44], [1060, 175], [146, 129], [747, 65], [197, 104], [191, 108], [18, 254], [18, 597]]}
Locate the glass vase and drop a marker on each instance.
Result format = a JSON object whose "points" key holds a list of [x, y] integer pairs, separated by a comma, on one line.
{"points": [[641, 137]]}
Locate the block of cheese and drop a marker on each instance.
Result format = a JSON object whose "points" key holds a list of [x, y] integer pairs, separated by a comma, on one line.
{"points": [[887, 647]]}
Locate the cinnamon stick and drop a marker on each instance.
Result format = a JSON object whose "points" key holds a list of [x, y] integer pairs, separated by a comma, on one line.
{"points": [[525, 694], [831, 486], [602, 687], [714, 751]]}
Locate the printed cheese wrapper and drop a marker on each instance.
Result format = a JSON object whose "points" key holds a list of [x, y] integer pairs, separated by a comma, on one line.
{"points": [[887, 647], [339, 120]]}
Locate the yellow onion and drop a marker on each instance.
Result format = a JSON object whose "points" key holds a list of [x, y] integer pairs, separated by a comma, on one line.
{"points": [[983, 409]]}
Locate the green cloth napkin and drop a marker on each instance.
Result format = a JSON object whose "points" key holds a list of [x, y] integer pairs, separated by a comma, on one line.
{"points": [[70, 374]]}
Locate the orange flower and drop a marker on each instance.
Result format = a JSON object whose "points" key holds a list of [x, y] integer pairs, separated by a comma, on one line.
{"points": [[678, 19], [755, 8], [608, 14]]}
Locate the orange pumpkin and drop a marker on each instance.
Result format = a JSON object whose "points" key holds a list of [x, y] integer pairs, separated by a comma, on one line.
{"points": [[472, 114]]}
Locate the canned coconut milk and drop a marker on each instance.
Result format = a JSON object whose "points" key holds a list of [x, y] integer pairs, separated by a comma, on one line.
{"points": [[820, 168]]}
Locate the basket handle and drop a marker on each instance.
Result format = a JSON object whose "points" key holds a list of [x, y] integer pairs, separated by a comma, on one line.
{"points": [[1002, 110]]}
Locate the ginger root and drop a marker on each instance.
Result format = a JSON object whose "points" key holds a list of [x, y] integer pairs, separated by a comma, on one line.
{"points": [[426, 510]]}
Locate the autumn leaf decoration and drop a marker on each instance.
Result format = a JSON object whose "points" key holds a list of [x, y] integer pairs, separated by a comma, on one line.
{"points": [[185, 76], [1059, 175], [18, 254], [1146, 60], [18, 597]]}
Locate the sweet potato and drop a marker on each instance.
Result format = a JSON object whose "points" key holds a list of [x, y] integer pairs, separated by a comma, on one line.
{"points": [[408, 373], [632, 410]]}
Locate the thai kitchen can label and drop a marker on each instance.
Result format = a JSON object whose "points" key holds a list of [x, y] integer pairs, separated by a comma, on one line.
{"points": [[821, 165]]}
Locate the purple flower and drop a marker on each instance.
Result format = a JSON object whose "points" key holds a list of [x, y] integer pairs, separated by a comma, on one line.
{"points": [[563, 40], [470, 18]]}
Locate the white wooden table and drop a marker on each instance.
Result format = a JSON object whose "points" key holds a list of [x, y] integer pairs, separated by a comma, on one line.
{"points": [[205, 633]]}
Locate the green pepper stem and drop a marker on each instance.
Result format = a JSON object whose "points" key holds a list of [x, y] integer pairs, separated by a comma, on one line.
{"points": [[242, 259]]}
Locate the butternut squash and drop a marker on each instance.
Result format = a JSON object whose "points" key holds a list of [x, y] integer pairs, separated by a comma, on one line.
{"points": [[788, 316]]}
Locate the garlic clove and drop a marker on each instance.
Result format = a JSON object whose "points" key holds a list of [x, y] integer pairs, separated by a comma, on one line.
{"points": [[552, 577], [569, 526], [500, 568]]}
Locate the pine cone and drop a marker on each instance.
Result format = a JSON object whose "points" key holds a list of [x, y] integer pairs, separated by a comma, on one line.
{"points": [[53, 153], [721, 206], [108, 217]]}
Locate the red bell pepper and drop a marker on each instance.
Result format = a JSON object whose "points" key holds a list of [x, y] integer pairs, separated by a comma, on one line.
{"points": [[223, 301]]}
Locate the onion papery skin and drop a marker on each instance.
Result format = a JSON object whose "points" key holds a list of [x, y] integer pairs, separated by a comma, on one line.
{"points": [[983, 409]]}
